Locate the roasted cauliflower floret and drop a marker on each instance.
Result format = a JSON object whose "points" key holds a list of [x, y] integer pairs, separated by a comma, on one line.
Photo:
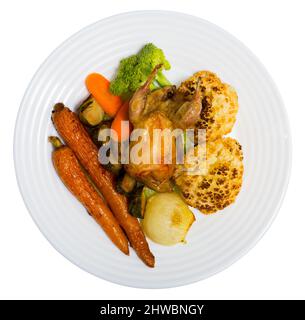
{"points": [[212, 183], [219, 103]]}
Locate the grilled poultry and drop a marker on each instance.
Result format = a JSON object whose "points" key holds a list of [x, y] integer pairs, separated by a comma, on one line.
{"points": [[161, 109], [201, 102]]}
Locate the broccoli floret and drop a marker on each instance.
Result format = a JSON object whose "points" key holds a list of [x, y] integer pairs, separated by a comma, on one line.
{"points": [[134, 71]]}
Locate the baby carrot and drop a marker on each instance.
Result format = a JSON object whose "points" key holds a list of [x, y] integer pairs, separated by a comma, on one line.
{"points": [[77, 138], [122, 115], [98, 86], [73, 176]]}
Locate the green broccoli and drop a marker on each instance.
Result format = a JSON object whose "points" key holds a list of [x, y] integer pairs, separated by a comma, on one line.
{"points": [[134, 71]]}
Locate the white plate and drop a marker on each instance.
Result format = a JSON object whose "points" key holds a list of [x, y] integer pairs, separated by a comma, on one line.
{"points": [[191, 44]]}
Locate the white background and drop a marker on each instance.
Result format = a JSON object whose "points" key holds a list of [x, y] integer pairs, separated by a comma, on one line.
{"points": [[30, 268]]}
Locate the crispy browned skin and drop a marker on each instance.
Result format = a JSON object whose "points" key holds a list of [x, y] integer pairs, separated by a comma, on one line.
{"points": [[155, 175], [70, 172], [77, 138]]}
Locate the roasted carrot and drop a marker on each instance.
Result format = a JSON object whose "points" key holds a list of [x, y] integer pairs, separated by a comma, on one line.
{"points": [[72, 175], [98, 86], [78, 139], [122, 115]]}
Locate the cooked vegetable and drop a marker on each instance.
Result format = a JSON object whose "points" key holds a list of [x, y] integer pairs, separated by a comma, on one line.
{"points": [[114, 168], [219, 100], [78, 139], [136, 203], [72, 175], [134, 71], [167, 219], [90, 112], [95, 132], [148, 192], [128, 183], [216, 180], [98, 86], [138, 199], [122, 115]]}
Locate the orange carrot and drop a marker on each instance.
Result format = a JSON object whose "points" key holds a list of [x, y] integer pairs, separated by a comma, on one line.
{"points": [[72, 175], [98, 86], [77, 138], [122, 115]]}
